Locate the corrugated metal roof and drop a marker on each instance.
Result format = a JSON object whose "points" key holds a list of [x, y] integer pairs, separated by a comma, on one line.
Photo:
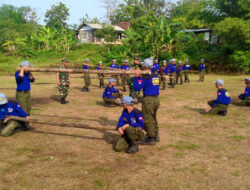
{"points": [[99, 26], [197, 30]]}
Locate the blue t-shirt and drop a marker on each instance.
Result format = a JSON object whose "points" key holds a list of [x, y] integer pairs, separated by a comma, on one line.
{"points": [[172, 68], [149, 84], [246, 93], [23, 83], [179, 69], [156, 67], [109, 91], [114, 66], [134, 119], [223, 97], [11, 109], [125, 67], [202, 66], [85, 67], [186, 67]]}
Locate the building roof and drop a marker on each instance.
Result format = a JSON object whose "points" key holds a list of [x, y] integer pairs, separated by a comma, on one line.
{"points": [[100, 26], [124, 25], [197, 30]]}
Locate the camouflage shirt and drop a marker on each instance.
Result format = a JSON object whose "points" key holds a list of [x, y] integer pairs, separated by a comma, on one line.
{"points": [[63, 77]]}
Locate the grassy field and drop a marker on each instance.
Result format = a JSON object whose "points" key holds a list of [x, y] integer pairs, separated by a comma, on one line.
{"points": [[196, 151]]}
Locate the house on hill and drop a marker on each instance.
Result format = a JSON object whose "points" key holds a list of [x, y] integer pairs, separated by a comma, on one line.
{"points": [[86, 33]]}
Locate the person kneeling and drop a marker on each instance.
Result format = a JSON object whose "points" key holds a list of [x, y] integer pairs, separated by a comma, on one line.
{"points": [[245, 98], [111, 95], [220, 105], [130, 127], [8, 108]]}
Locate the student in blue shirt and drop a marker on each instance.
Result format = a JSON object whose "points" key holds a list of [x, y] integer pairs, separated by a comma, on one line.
{"points": [[130, 126], [23, 80], [111, 95], [115, 66], [202, 70], [86, 76], [163, 72], [186, 70], [179, 73], [124, 78], [156, 67], [150, 102], [220, 105], [172, 73], [10, 108], [245, 97]]}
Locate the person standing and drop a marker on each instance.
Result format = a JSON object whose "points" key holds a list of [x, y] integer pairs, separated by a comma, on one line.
{"points": [[150, 102], [202, 71], [245, 97], [186, 70], [220, 105], [86, 76], [163, 72], [179, 73], [23, 80], [130, 126], [172, 73], [63, 82], [115, 66], [156, 67], [124, 78], [10, 108], [100, 75]]}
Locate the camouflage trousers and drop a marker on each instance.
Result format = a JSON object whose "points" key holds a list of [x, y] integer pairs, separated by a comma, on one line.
{"points": [[63, 89], [217, 110], [10, 128], [244, 102], [186, 74], [150, 106], [162, 80], [87, 80], [179, 76], [202, 75], [124, 80], [101, 79], [131, 134], [113, 101], [24, 99]]}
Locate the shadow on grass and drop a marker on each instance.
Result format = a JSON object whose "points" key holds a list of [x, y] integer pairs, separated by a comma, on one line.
{"points": [[55, 98], [67, 135], [199, 110], [43, 83]]}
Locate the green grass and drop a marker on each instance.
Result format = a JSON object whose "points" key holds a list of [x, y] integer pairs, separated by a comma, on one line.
{"points": [[182, 145]]}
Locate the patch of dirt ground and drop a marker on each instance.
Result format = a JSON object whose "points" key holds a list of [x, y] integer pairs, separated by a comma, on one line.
{"points": [[196, 151]]}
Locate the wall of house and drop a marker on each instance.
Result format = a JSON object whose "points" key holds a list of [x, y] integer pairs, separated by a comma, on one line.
{"points": [[85, 35]]}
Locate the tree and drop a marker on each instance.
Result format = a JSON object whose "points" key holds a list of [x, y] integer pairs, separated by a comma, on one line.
{"points": [[108, 34], [56, 16], [87, 19], [16, 23]]}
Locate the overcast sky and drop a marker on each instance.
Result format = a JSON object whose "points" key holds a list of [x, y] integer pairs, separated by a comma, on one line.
{"points": [[78, 8]]}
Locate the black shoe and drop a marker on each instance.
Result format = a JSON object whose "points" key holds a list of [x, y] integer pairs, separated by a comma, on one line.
{"points": [[133, 148], [157, 137], [63, 101], [148, 141], [223, 113], [84, 89], [27, 127], [87, 89], [106, 104]]}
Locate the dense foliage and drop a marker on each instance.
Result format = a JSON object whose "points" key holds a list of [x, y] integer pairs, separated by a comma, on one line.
{"points": [[157, 28]]}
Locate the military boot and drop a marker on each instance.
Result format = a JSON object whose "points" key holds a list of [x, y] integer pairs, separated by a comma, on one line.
{"points": [[84, 89], [26, 127], [133, 148], [148, 141], [63, 101], [157, 137], [223, 113]]}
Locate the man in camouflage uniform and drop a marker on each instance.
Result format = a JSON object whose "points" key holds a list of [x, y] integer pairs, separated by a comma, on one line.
{"points": [[63, 81]]}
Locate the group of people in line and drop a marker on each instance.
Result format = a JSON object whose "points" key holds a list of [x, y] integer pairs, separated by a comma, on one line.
{"points": [[132, 122]]}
